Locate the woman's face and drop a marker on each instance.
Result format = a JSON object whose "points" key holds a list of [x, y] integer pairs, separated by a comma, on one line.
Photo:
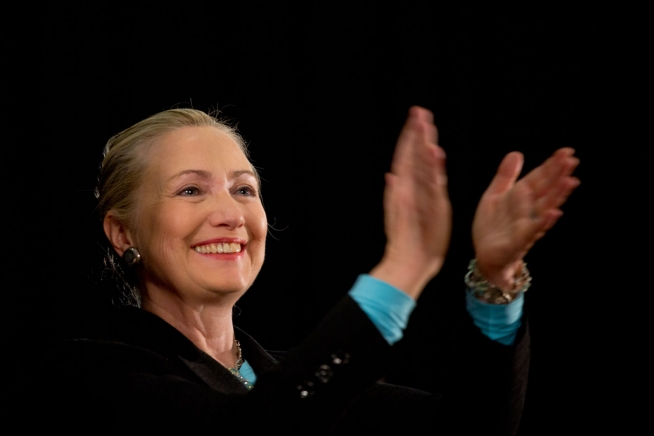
{"points": [[201, 227]]}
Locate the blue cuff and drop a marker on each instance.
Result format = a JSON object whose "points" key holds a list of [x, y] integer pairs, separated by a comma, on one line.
{"points": [[499, 322], [387, 307]]}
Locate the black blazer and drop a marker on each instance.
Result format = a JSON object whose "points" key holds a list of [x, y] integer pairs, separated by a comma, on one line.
{"points": [[137, 372]]}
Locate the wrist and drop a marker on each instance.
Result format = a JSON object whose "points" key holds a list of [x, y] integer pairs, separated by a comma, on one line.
{"points": [[501, 276], [488, 292], [403, 275]]}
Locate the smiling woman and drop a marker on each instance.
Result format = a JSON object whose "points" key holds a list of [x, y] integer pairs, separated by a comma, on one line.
{"points": [[200, 229], [180, 206]]}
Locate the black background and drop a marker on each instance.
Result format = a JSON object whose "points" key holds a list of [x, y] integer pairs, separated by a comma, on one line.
{"points": [[320, 92]]}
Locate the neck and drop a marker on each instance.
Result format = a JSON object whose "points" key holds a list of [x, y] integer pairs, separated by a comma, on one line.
{"points": [[208, 326]]}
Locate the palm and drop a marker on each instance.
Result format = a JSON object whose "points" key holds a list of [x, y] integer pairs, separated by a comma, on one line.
{"points": [[417, 211], [512, 216]]}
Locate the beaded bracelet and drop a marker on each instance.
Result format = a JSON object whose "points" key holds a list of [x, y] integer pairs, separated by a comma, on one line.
{"points": [[489, 293]]}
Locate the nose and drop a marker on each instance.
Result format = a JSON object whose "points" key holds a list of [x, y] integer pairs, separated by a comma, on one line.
{"points": [[226, 212]]}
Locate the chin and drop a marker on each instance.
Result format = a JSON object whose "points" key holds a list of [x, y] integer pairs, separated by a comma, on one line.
{"points": [[236, 287]]}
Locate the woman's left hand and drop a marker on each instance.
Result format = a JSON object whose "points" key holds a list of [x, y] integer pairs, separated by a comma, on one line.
{"points": [[512, 216]]}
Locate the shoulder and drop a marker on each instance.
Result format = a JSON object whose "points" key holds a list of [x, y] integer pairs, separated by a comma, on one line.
{"points": [[121, 341]]}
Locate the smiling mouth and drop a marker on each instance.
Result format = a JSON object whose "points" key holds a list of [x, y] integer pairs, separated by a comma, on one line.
{"points": [[219, 247]]}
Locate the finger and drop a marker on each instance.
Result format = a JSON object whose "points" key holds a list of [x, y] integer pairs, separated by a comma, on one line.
{"points": [[553, 190], [417, 146], [402, 155], [560, 169], [539, 225], [551, 218], [507, 173], [432, 133], [440, 173], [427, 119], [428, 157], [430, 170], [547, 175], [559, 194]]}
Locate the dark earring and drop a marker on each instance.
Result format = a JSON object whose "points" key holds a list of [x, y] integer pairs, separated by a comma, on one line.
{"points": [[132, 256]]}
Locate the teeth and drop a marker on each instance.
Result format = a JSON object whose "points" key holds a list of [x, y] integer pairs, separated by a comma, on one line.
{"points": [[220, 247]]}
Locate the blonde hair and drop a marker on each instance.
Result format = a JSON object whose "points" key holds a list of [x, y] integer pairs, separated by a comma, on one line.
{"points": [[124, 161]]}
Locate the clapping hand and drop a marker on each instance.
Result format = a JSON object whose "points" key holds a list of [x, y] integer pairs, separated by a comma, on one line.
{"points": [[417, 210], [513, 214]]}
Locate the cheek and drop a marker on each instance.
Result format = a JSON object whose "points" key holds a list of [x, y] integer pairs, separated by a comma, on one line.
{"points": [[259, 231], [260, 228], [166, 231]]}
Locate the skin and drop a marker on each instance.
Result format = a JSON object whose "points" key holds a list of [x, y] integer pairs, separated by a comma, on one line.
{"points": [[198, 187]]}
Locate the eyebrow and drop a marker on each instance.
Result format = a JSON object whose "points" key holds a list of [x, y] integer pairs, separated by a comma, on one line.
{"points": [[207, 175]]}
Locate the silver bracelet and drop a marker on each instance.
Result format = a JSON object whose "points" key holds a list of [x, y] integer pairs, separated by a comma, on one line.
{"points": [[489, 293]]}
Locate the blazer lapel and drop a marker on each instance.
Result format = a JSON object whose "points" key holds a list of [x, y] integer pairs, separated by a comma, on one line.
{"points": [[217, 376], [214, 374], [150, 331]]}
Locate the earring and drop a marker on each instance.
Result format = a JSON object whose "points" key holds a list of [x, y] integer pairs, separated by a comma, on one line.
{"points": [[132, 256]]}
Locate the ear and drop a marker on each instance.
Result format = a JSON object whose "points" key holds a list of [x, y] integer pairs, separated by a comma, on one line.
{"points": [[119, 236]]}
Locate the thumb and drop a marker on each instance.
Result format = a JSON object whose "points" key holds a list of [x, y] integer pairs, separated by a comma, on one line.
{"points": [[507, 173]]}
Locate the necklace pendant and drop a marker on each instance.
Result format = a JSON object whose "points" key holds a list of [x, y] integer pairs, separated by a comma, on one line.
{"points": [[242, 379], [239, 362]]}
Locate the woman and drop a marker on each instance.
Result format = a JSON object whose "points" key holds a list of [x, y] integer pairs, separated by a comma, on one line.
{"points": [[180, 204]]}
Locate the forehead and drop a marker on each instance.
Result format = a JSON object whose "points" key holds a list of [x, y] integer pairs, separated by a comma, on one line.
{"points": [[200, 148]]}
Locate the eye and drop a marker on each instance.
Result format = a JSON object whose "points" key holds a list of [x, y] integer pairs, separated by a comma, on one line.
{"points": [[189, 191], [247, 191]]}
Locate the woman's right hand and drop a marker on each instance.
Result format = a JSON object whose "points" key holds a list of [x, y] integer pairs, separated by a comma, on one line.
{"points": [[417, 209]]}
